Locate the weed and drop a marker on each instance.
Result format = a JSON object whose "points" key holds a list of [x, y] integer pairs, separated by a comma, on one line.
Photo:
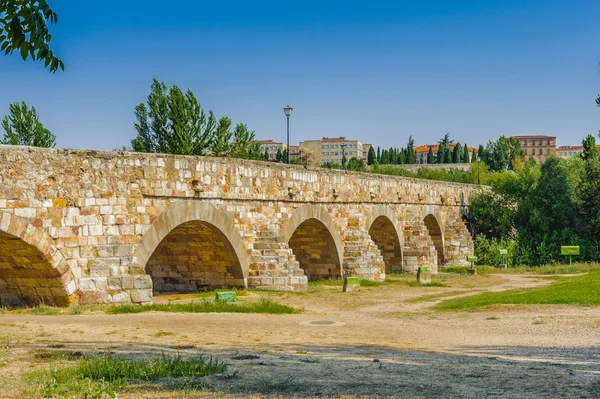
{"points": [[43, 310], [116, 369], [56, 346], [369, 283], [163, 333], [415, 283], [57, 355], [264, 305], [331, 282]]}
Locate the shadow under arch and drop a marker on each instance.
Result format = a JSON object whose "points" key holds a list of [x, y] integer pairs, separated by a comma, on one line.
{"points": [[435, 232], [32, 269], [192, 246], [383, 228], [313, 236]]}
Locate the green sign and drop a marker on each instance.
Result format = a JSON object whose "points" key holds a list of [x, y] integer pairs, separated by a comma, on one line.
{"points": [[351, 280], [569, 250], [504, 252], [471, 258], [225, 296]]}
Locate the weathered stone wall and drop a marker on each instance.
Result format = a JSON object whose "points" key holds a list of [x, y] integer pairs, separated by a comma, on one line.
{"points": [[99, 218]]}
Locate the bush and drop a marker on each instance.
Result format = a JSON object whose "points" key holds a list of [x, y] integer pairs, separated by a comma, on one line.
{"points": [[488, 250]]}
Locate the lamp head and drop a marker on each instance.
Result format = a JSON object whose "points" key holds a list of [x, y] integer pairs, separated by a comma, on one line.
{"points": [[288, 111]]}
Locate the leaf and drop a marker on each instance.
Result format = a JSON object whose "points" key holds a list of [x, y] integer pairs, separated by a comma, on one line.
{"points": [[24, 51]]}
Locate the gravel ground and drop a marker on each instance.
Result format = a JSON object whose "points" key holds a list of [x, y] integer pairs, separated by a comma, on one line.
{"points": [[380, 343]]}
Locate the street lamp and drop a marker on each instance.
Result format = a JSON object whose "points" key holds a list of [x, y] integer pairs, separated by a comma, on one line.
{"points": [[478, 170], [288, 112], [343, 147]]}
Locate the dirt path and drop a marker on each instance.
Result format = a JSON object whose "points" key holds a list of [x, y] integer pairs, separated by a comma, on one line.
{"points": [[524, 351]]}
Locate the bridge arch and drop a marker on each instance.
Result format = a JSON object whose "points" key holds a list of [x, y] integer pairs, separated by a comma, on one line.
{"points": [[313, 236], [385, 232], [193, 246], [32, 269], [436, 232]]}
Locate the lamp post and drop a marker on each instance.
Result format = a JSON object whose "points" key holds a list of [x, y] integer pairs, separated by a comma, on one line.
{"points": [[343, 147], [288, 112], [478, 170]]}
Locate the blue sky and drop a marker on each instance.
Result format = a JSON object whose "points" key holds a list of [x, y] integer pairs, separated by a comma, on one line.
{"points": [[374, 71]]}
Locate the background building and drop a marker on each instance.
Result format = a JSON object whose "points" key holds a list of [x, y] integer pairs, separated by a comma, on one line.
{"points": [[271, 146], [568, 151], [538, 147], [333, 149]]}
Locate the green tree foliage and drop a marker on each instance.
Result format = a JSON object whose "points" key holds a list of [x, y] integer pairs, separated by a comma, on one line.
{"points": [[537, 208], [502, 154], [279, 156], [22, 126], [474, 156], [465, 156], [588, 189], [174, 122], [371, 156], [410, 151], [378, 154], [357, 165], [430, 157], [439, 158], [457, 153], [24, 28]]}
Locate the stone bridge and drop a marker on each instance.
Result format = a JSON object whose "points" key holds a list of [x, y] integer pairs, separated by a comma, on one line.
{"points": [[100, 227]]}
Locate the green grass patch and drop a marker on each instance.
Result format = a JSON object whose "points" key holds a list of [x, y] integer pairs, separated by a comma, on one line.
{"points": [[414, 283], [369, 283], [264, 305], [211, 293], [553, 269], [329, 283], [43, 310], [101, 376], [581, 290]]}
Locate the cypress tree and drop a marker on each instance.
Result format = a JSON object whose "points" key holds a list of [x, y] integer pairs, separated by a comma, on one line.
{"points": [[371, 156], [440, 154], [430, 158]]}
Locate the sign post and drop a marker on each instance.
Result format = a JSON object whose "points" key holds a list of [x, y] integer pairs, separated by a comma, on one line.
{"points": [[503, 252], [472, 259], [570, 251]]}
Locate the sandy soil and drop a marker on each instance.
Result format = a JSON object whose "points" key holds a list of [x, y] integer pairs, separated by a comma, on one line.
{"points": [[380, 341]]}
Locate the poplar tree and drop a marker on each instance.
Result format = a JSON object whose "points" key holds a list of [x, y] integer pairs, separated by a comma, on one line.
{"points": [[22, 126]]}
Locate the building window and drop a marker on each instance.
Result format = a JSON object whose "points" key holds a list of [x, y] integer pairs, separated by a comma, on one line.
{"points": [[524, 142], [540, 152]]}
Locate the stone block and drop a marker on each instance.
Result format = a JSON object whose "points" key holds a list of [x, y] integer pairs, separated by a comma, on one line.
{"points": [[141, 295]]}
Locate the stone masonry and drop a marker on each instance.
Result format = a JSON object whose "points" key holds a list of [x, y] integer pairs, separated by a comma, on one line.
{"points": [[112, 227]]}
